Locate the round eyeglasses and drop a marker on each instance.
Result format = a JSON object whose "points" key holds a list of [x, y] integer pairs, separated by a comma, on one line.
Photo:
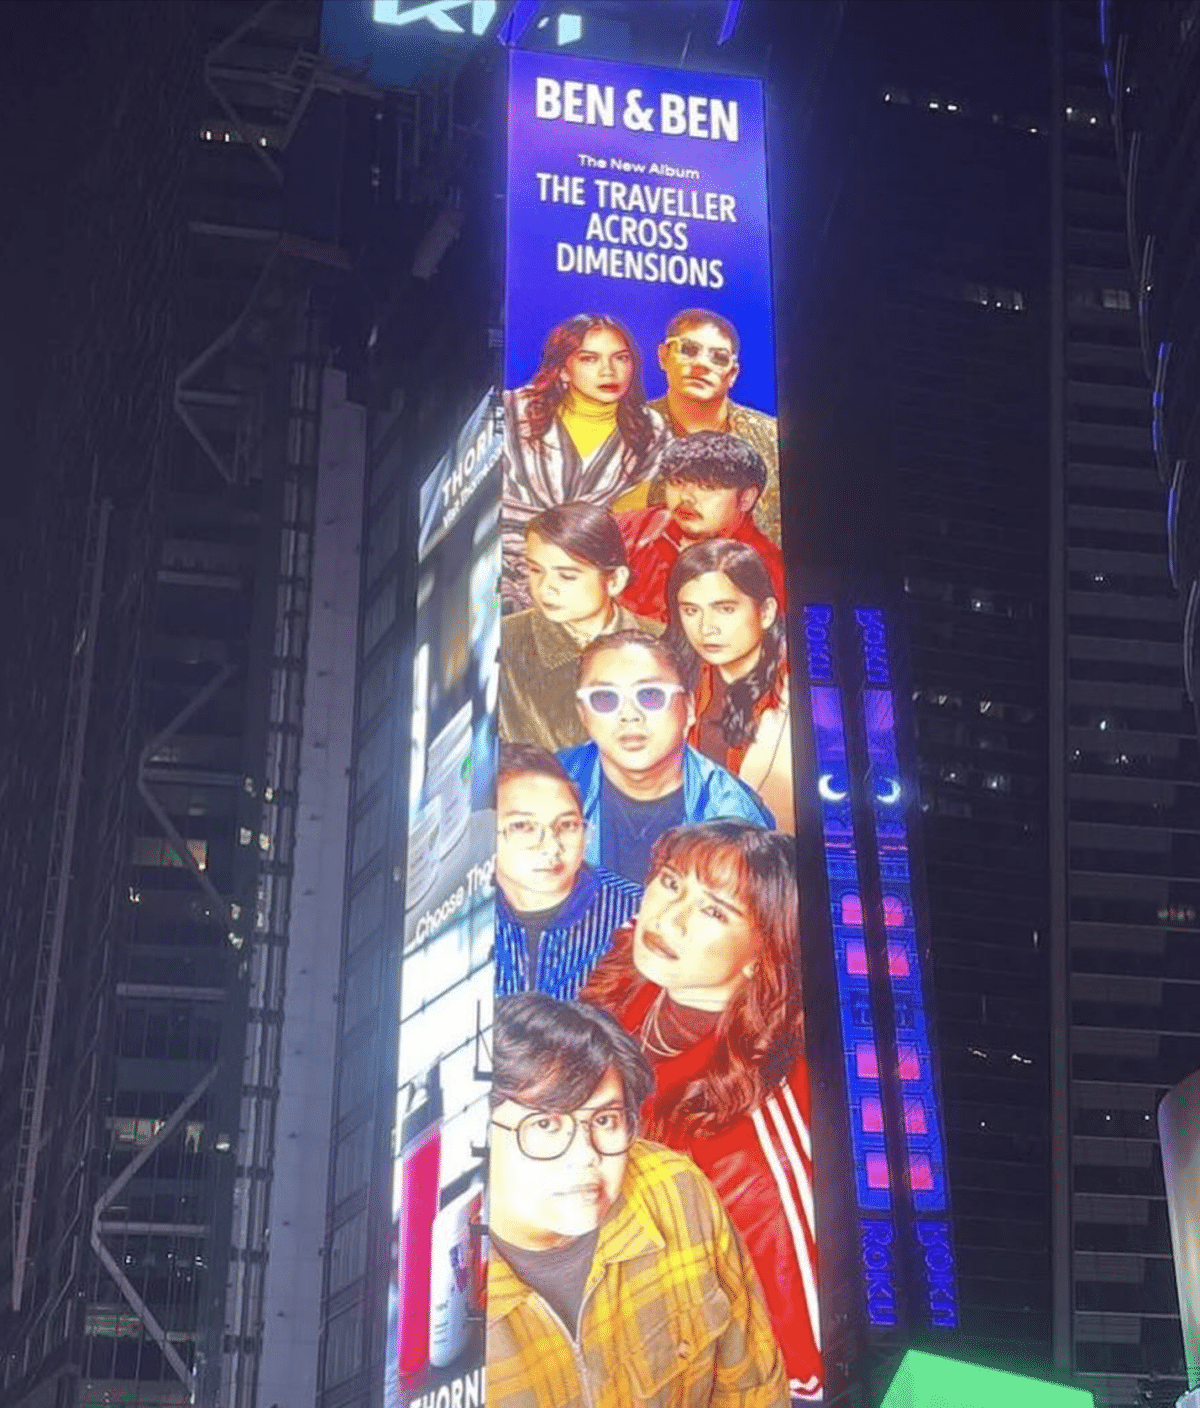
{"points": [[527, 834], [545, 1135], [646, 698], [719, 357]]}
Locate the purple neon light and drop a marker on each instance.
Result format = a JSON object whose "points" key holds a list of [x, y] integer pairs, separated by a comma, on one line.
{"points": [[517, 21], [845, 903], [922, 1119], [729, 23]]}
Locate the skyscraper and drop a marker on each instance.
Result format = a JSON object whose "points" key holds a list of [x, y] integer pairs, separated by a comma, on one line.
{"points": [[1124, 775], [177, 744], [984, 305], [925, 385]]}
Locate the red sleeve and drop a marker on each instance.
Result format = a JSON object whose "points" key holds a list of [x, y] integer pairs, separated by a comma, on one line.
{"points": [[778, 573], [764, 1178], [644, 595]]}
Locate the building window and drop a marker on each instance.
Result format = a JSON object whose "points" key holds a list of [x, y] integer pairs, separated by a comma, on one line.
{"points": [[379, 616], [343, 1347], [347, 1252], [350, 1162], [158, 852], [366, 913], [369, 833]]}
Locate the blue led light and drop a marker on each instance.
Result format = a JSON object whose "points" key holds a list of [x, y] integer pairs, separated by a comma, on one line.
{"points": [[872, 1180], [877, 1240], [924, 1142]]}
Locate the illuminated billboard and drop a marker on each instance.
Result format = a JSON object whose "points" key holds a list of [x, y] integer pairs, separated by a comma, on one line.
{"points": [[434, 1335], [895, 1121], [929, 1381], [651, 1211], [1179, 1136]]}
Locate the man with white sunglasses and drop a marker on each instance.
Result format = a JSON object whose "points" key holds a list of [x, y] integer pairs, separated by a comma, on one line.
{"points": [[638, 776]]}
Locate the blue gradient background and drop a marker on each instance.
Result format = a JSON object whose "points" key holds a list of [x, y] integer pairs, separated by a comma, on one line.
{"points": [[537, 297]]}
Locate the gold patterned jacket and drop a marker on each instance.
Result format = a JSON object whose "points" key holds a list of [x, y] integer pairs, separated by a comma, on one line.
{"points": [[672, 1314]]}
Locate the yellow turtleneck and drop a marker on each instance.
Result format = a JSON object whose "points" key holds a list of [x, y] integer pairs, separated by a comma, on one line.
{"points": [[589, 423]]}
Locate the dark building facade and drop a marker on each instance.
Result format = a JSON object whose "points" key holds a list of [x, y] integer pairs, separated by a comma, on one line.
{"points": [[177, 749], [1126, 802], [1150, 57], [924, 394]]}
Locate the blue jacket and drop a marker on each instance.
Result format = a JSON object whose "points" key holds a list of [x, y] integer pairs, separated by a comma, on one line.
{"points": [[710, 792], [582, 934]]}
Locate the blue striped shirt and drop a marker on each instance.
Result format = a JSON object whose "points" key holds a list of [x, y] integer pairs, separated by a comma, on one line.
{"points": [[579, 937]]}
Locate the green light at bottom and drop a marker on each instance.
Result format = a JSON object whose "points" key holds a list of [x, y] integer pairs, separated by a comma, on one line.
{"points": [[929, 1381]]}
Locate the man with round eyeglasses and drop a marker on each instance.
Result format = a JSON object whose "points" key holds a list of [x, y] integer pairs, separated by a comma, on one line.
{"points": [[555, 914], [638, 776], [616, 1276]]}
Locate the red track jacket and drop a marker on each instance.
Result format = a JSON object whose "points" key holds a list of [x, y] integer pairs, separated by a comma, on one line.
{"points": [[762, 1169]]}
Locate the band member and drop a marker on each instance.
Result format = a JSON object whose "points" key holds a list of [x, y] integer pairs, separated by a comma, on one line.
{"points": [[580, 430], [576, 568], [723, 613], [555, 915], [639, 776], [708, 980], [712, 483], [699, 356], [615, 1276]]}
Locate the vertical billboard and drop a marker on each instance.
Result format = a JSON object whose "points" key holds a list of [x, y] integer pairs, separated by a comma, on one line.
{"points": [[434, 1337], [651, 1220], [1179, 1136]]}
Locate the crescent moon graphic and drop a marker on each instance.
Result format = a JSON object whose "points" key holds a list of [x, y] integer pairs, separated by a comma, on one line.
{"points": [[891, 795], [827, 790]]}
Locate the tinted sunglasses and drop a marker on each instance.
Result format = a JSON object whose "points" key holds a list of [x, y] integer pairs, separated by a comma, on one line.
{"points": [[718, 357], [646, 698]]}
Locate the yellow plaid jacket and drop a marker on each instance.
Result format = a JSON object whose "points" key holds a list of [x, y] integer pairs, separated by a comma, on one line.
{"points": [[672, 1313]]}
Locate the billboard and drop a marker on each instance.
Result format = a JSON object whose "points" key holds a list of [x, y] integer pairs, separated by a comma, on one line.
{"points": [[924, 1380], [651, 1220], [1179, 1135], [434, 1330]]}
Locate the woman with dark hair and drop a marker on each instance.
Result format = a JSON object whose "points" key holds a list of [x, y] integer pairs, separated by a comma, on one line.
{"points": [[580, 430], [576, 568], [724, 618], [708, 979]]}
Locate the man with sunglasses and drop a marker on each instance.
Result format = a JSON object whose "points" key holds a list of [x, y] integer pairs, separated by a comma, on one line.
{"points": [[699, 356], [638, 776], [616, 1276], [711, 485], [555, 914]]}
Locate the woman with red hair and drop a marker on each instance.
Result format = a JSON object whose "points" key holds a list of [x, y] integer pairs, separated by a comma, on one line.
{"points": [[708, 979], [580, 431]]}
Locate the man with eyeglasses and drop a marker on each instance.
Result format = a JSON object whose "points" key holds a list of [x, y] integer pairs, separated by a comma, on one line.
{"points": [[711, 485], [555, 914], [638, 776], [616, 1276]]}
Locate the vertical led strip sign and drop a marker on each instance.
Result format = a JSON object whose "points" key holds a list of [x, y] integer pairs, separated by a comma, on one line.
{"points": [[645, 858], [926, 1172], [434, 1339], [877, 1228]]}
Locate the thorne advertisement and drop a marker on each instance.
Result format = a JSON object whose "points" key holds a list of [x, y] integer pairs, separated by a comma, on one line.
{"points": [[651, 1222], [435, 1337]]}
